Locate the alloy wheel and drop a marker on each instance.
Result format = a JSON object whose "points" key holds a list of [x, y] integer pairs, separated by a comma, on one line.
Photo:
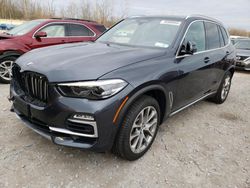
{"points": [[143, 129], [226, 87], [5, 70]]}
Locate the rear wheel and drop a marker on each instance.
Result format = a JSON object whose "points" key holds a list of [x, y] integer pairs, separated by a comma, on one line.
{"points": [[5, 69], [139, 129], [223, 90]]}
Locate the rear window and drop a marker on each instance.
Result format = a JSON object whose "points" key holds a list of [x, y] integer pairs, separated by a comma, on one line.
{"points": [[212, 36], [79, 30], [100, 28]]}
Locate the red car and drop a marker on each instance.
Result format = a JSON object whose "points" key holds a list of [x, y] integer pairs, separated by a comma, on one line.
{"points": [[41, 33]]}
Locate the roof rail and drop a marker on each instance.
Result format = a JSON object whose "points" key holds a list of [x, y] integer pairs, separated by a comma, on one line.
{"points": [[203, 16], [77, 19]]}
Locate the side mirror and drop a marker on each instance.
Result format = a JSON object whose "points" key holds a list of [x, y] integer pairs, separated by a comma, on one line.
{"points": [[41, 34], [188, 48]]}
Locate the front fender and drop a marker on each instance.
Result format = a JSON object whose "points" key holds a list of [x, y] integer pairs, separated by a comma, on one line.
{"points": [[138, 92], [8, 47]]}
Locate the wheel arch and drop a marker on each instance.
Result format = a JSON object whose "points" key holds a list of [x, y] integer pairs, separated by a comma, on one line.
{"points": [[10, 53], [156, 91], [232, 70]]}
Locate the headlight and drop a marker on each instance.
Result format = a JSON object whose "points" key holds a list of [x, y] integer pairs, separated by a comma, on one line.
{"points": [[247, 61], [100, 89]]}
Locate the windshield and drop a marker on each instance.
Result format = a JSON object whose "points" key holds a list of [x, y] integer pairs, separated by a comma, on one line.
{"points": [[153, 32], [243, 44], [24, 28]]}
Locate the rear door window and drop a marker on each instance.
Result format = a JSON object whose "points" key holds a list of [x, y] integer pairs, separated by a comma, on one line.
{"points": [[100, 28], [196, 35], [212, 36], [79, 30]]}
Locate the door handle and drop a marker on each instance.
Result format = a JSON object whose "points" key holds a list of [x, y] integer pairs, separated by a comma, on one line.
{"points": [[206, 59], [227, 52]]}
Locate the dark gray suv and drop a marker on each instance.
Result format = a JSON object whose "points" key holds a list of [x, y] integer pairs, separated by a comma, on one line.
{"points": [[115, 92]]}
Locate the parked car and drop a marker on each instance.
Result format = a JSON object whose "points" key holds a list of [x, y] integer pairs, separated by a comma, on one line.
{"points": [[235, 39], [6, 26], [114, 93], [243, 54], [41, 33]]}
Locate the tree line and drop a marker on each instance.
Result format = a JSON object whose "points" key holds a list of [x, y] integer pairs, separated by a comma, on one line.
{"points": [[239, 32], [100, 11]]}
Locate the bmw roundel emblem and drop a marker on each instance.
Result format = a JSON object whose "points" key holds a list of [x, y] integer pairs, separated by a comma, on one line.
{"points": [[30, 63]]}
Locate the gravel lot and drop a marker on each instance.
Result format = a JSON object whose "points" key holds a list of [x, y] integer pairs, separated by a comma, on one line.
{"points": [[206, 145]]}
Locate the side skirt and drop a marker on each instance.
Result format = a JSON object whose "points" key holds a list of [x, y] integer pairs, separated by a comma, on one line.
{"points": [[190, 104]]}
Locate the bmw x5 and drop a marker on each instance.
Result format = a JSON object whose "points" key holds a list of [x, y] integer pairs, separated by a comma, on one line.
{"points": [[114, 93]]}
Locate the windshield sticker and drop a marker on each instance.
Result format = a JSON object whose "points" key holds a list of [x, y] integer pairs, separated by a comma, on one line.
{"points": [[168, 22], [162, 45]]}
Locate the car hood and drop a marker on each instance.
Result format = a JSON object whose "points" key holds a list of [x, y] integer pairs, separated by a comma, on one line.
{"points": [[241, 52], [83, 61], [3, 36]]}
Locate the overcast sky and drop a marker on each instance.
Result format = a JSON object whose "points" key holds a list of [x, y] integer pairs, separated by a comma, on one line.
{"points": [[233, 13]]}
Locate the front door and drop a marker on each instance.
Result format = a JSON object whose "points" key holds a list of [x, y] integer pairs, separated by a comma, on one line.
{"points": [[194, 69], [56, 34]]}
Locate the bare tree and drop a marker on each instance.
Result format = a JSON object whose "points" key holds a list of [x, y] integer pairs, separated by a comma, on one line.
{"points": [[239, 32], [101, 11]]}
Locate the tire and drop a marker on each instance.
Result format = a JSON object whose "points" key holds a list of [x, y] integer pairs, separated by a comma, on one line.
{"points": [[6, 64], [223, 91], [142, 135]]}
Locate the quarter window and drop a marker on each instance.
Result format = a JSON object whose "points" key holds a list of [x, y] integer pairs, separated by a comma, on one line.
{"points": [[196, 35], [224, 34], [212, 36], [79, 30], [222, 42], [57, 30]]}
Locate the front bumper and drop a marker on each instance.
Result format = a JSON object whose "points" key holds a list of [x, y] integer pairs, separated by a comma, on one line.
{"points": [[54, 121]]}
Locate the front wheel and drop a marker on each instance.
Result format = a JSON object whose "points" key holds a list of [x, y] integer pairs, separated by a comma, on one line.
{"points": [[139, 129], [223, 90], [5, 69]]}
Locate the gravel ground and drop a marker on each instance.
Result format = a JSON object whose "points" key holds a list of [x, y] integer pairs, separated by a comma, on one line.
{"points": [[206, 145]]}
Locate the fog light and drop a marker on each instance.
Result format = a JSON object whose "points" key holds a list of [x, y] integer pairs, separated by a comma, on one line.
{"points": [[60, 139], [84, 117]]}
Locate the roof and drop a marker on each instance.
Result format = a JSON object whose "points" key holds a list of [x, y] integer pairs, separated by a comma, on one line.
{"points": [[75, 19], [69, 19], [172, 17], [179, 17]]}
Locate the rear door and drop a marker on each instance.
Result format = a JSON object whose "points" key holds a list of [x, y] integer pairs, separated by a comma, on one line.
{"points": [[216, 54], [56, 34], [227, 54], [80, 33]]}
